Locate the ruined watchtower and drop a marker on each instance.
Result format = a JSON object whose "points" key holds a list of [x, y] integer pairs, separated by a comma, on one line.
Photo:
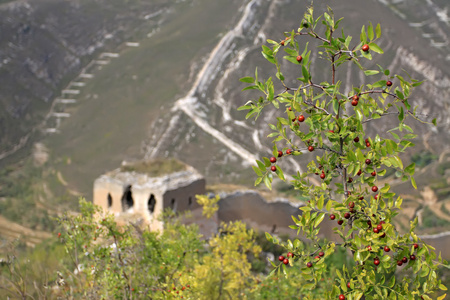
{"points": [[144, 189]]}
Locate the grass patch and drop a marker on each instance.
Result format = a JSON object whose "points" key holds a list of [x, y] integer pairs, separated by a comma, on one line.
{"points": [[155, 168]]}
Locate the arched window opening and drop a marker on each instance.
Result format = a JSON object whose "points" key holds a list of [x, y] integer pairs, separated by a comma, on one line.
{"points": [[151, 203], [127, 199], [190, 201], [109, 200], [173, 205]]}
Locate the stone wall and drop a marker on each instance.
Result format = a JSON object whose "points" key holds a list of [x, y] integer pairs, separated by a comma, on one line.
{"points": [[258, 213]]}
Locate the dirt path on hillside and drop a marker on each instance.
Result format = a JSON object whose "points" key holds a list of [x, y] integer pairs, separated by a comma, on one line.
{"points": [[11, 230]]}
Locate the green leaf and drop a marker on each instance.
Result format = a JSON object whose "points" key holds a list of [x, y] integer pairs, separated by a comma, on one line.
{"points": [[413, 182], [410, 169], [247, 79], [305, 72], [319, 219], [370, 31], [257, 170], [371, 72], [268, 182], [335, 105], [280, 174], [269, 58], [375, 48], [363, 37], [292, 59], [378, 30], [251, 87]]}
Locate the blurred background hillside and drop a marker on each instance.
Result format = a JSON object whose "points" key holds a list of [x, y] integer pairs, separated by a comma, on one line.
{"points": [[87, 84]]}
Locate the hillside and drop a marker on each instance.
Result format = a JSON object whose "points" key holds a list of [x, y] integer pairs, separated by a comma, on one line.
{"points": [[175, 93], [45, 43]]}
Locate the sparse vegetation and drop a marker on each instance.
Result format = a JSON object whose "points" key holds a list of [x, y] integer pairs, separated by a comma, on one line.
{"points": [[156, 167]]}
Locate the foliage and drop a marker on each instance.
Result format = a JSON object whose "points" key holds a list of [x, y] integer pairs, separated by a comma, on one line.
{"points": [[423, 159], [320, 116], [209, 204]]}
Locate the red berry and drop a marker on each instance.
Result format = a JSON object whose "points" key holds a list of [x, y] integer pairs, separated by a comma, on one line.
{"points": [[351, 204], [301, 118], [285, 261], [348, 284], [412, 257], [290, 254], [321, 254], [273, 168], [347, 215], [376, 262], [355, 98], [350, 180], [374, 189], [379, 227], [340, 222], [288, 151], [331, 131], [59, 234], [310, 148], [332, 217], [282, 43], [365, 48], [369, 248], [316, 257], [388, 83], [361, 198], [280, 153], [359, 173], [281, 258], [299, 58], [399, 263], [416, 246], [373, 173], [383, 235], [387, 249], [367, 144], [376, 197], [375, 230], [309, 264], [322, 175], [354, 102], [273, 159], [356, 139], [341, 297], [369, 223], [382, 222], [404, 260], [368, 161]]}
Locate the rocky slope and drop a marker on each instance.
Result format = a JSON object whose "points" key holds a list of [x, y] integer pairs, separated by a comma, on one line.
{"points": [[45, 43]]}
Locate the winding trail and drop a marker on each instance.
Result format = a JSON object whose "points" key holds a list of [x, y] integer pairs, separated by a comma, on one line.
{"points": [[190, 104]]}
